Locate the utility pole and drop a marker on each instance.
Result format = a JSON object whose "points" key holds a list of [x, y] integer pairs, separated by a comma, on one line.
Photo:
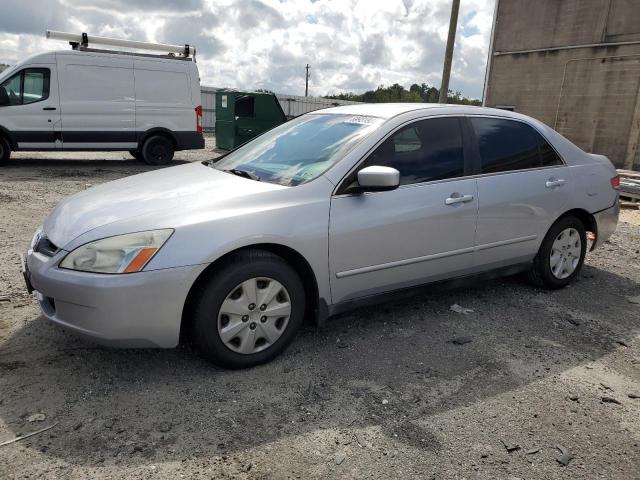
{"points": [[448, 55], [306, 82]]}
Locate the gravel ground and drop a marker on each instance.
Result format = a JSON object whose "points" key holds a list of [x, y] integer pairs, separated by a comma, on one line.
{"points": [[534, 379]]}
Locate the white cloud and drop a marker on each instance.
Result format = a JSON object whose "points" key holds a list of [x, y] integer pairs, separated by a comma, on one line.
{"points": [[351, 45]]}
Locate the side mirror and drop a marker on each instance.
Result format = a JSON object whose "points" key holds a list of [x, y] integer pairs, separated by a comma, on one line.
{"points": [[378, 179]]}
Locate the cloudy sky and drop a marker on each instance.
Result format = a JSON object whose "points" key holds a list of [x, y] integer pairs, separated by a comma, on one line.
{"points": [[351, 45]]}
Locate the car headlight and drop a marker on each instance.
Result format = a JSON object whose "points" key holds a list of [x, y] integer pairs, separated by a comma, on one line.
{"points": [[121, 254], [36, 237]]}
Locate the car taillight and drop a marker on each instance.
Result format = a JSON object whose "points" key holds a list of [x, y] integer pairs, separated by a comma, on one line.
{"points": [[199, 119], [615, 182]]}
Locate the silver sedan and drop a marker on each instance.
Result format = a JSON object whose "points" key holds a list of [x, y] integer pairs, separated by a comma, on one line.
{"points": [[323, 213]]}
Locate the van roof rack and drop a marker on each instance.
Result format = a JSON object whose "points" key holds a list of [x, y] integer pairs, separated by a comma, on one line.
{"points": [[81, 41]]}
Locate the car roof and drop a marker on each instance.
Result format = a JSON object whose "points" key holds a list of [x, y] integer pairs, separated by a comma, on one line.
{"points": [[389, 110], [386, 111]]}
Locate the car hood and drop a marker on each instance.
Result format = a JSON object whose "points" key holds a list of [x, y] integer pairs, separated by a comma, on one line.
{"points": [[185, 187]]}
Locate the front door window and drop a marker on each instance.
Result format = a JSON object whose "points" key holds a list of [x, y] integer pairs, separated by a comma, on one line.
{"points": [[27, 86]]}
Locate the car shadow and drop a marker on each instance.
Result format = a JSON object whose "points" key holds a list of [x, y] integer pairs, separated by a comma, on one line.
{"points": [[390, 366]]}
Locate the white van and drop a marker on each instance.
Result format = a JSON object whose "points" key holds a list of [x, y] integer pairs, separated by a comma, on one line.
{"points": [[86, 99]]}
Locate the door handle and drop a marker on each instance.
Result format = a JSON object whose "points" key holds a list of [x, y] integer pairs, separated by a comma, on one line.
{"points": [[552, 182], [453, 199], [49, 108]]}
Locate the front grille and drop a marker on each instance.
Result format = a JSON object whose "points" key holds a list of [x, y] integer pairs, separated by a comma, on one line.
{"points": [[45, 247]]}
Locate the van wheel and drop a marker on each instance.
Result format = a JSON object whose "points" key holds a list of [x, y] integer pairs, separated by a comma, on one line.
{"points": [[249, 311], [157, 150], [5, 150], [137, 154], [561, 254]]}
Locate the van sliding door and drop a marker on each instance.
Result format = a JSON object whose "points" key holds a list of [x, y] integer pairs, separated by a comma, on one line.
{"points": [[97, 101]]}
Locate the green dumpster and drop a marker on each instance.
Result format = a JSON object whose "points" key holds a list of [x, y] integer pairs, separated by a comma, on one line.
{"points": [[240, 116]]}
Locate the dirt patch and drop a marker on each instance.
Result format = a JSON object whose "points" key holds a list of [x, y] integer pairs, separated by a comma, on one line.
{"points": [[6, 198], [382, 392]]}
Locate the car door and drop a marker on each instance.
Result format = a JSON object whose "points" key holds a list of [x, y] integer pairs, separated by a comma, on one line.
{"points": [[421, 231], [522, 189], [29, 107]]}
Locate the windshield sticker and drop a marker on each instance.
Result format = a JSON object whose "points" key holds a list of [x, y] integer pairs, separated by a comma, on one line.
{"points": [[362, 120]]}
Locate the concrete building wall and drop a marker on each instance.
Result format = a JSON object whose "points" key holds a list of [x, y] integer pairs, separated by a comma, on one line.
{"points": [[575, 65]]}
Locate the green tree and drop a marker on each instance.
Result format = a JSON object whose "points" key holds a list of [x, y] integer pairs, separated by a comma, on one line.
{"points": [[423, 93]]}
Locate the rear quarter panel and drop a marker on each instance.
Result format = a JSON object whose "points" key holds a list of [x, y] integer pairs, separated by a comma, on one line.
{"points": [[591, 185], [164, 95], [589, 174]]}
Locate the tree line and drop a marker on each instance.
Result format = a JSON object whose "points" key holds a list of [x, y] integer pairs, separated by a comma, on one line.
{"points": [[423, 93]]}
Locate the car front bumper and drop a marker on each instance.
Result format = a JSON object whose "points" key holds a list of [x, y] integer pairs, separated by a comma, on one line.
{"points": [[141, 309], [606, 222]]}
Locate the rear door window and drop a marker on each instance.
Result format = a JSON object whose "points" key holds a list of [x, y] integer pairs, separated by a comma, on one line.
{"points": [[506, 145], [424, 151], [550, 157]]}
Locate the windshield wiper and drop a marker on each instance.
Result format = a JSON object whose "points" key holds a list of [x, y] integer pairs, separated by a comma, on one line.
{"points": [[243, 173]]}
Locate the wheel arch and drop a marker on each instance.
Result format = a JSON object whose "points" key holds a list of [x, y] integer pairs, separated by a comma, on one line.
{"points": [[165, 132], [587, 219], [314, 305], [6, 134]]}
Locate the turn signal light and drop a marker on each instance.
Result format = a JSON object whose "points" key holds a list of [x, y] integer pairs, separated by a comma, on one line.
{"points": [[140, 260]]}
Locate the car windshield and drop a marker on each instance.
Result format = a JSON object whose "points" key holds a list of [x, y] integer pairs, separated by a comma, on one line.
{"points": [[300, 150]]}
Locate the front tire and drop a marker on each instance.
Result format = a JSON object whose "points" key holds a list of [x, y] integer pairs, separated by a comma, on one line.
{"points": [[249, 311], [5, 150], [561, 254], [157, 150]]}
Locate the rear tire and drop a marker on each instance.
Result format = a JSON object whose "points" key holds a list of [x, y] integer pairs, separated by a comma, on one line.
{"points": [[561, 254], [249, 310], [157, 150], [137, 154], [5, 150]]}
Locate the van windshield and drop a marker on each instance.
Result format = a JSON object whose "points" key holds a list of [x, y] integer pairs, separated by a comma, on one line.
{"points": [[300, 150]]}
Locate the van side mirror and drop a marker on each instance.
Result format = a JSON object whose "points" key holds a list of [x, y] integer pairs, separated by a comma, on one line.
{"points": [[378, 179]]}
